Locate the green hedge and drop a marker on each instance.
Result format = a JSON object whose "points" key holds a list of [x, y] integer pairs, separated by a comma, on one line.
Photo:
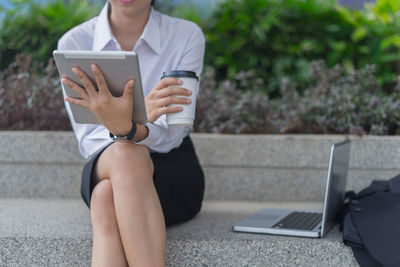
{"points": [[35, 28], [278, 38], [274, 38]]}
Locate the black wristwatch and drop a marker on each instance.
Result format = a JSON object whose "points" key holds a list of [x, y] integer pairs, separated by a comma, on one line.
{"points": [[128, 137]]}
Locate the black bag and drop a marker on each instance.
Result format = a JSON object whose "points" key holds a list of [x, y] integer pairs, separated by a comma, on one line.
{"points": [[371, 224]]}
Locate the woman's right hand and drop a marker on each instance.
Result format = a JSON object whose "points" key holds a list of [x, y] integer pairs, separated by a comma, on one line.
{"points": [[165, 93], [115, 113]]}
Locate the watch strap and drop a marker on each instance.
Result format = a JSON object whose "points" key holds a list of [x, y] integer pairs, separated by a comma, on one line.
{"points": [[129, 136]]}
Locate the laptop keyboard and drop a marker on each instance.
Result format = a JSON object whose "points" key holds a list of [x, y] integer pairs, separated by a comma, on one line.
{"points": [[299, 220]]}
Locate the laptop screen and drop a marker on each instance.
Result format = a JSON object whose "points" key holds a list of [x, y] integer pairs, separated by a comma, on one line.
{"points": [[336, 185]]}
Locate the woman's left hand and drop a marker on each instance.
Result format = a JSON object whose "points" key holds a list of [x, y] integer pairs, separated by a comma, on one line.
{"points": [[115, 113], [164, 94]]}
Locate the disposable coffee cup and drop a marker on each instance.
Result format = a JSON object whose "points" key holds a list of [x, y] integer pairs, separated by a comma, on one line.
{"points": [[190, 82]]}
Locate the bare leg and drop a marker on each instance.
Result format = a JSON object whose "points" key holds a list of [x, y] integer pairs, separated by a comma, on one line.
{"points": [[137, 207], [107, 245]]}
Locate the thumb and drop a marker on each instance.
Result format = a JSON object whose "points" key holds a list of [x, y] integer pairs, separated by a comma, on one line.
{"points": [[128, 90]]}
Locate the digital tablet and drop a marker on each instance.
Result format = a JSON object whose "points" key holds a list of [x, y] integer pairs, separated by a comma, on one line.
{"points": [[118, 67]]}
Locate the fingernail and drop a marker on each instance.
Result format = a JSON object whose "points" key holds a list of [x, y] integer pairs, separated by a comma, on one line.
{"points": [[180, 81], [188, 101], [189, 92], [132, 84], [93, 67]]}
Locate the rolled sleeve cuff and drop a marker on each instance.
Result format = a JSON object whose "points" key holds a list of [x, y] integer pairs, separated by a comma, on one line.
{"points": [[153, 136]]}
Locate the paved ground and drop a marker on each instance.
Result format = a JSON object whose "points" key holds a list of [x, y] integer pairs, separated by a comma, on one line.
{"points": [[58, 232]]}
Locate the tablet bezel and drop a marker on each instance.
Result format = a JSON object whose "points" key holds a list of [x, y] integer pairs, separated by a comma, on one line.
{"points": [[118, 68]]}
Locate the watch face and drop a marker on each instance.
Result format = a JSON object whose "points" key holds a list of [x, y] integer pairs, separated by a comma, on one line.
{"points": [[119, 138]]}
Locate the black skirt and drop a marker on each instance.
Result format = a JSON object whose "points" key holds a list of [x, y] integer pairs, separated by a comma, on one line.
{"points": [[178, 179]]}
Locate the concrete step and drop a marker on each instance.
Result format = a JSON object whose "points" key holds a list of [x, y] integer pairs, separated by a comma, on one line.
{"points": [[237, 167], [43, 232]]}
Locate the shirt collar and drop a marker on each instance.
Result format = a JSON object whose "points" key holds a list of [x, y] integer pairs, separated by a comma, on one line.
{"points": [[151, 32], [102, 31], [103, 34]]}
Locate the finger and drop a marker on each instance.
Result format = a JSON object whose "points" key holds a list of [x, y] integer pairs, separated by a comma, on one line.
{"points": [[165, 110], [167, 82], [174, 91], [86, 82], [173, 109], [100, 80], [128, 90], [77, 88], [174, 100], [77, 101]]}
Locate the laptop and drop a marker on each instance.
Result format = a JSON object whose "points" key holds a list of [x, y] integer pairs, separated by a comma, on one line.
{"points": [[306, 223]]}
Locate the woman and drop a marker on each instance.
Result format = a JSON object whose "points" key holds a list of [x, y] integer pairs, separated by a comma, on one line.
{"points": [[134, 189]]}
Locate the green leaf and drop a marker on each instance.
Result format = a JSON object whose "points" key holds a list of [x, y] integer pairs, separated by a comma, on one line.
{"points": [[338, 45], [346, 15], [390, 57], [391, 41], [359, 34], [364, 49]]}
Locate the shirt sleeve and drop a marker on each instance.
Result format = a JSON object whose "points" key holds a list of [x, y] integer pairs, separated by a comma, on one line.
{"points": [[163, 138]]}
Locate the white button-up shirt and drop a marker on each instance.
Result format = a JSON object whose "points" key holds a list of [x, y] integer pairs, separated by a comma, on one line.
{"points": [[166, 44]]}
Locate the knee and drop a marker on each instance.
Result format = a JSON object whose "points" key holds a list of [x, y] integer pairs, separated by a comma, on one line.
{"points": [[102, 211], [130, 154], [130, 162], [123, 150]]}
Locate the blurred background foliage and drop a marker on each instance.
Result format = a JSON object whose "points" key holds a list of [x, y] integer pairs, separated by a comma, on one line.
{"points": [[266, 61], [34, 27], [276, 38], [279, 38]]}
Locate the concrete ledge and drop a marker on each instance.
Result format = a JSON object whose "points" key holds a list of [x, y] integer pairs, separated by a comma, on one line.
{"points": [[39, 147], [58, 233], [40, 180], [282, 151], [268, 184], [237, 167], [295, 151]]}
